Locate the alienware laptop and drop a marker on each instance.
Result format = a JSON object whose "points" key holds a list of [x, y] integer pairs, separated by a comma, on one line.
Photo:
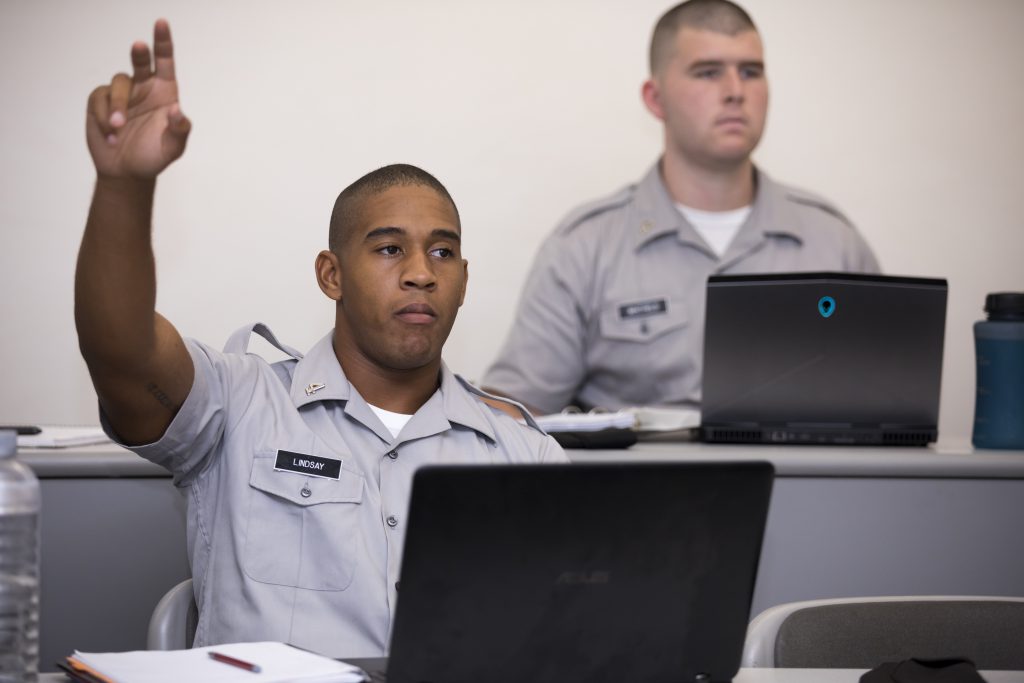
{"points": [[586, 572], [813, 358]]}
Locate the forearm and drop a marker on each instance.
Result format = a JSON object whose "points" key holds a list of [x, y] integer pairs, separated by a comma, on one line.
{"points": [[115, 282], [139, 364]]}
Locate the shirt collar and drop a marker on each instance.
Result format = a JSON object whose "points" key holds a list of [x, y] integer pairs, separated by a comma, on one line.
{"points": [[318, 377], [657, 214], [452, 404]]}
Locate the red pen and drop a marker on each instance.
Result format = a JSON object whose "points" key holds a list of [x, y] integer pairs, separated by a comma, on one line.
{"points": [[255, 668]]}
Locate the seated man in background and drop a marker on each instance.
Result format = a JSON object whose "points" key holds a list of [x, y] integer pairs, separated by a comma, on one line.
{"points": [[298, 473], [612, 313]]}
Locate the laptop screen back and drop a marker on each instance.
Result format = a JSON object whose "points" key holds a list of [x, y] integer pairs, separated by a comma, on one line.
{"points": [[823, 357], [552, 573]]}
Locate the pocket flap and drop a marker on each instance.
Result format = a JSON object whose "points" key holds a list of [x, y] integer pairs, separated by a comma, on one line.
{"points": [[641, 319], [348, 488]]}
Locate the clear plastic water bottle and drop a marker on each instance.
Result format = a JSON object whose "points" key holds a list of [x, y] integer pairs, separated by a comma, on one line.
{"points": [[19, 566], [999, 343]]}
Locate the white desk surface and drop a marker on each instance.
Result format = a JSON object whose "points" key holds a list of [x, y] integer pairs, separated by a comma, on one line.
{"points": [[765, 676], [956, 460]]}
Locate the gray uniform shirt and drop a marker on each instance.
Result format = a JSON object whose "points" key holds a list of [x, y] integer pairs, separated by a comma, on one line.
{"points": [[279, 555], [612, 313]]}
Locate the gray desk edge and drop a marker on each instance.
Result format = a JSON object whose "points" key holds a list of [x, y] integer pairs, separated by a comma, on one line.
{"points": [[944, 461]]}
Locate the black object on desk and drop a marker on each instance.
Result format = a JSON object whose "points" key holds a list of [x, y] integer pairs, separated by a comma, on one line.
{"points": [[815, 358], [602, 438], [954, 670], [23, 430]]}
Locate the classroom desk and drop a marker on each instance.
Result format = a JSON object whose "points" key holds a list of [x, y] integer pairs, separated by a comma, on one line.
{"points": [[843, 522], [764, 676]]}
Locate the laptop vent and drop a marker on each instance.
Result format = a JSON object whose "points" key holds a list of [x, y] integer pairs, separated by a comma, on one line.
{"points": [[919, 438], [737, 435]]}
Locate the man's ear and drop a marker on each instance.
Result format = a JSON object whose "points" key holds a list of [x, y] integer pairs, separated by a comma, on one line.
{"points": [[465, 280], [650, 92], [328, 274]]}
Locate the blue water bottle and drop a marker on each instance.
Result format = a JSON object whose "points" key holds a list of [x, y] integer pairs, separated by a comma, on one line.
{"points": [[999, 346]]}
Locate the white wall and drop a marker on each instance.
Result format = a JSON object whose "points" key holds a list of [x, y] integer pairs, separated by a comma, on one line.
{"points": [[908, 114]]}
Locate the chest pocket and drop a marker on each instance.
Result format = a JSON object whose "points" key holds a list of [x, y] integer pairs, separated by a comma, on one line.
{"points": [[302, 531], [641, 319]]}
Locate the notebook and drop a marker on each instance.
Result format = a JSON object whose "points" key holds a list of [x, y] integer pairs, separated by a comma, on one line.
{"points": [[586, 572], [813, 358]]}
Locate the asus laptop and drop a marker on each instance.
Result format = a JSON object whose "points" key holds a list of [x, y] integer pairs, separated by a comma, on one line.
{"points": [[814, 358], [577, 573]]}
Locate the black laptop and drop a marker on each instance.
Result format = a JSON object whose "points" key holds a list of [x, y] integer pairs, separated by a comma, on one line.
{"points": [[586, 572], [811, 358]]}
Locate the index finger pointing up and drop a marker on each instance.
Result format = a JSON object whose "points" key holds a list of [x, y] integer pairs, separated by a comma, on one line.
{"points": [[163, 50]]}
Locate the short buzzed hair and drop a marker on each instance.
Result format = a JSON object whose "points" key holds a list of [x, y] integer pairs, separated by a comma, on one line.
{"points": [[720, 16], [348, 205]]}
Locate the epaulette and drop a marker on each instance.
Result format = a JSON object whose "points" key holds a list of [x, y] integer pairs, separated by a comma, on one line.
{"points": [[585, 212], [506, 405]]}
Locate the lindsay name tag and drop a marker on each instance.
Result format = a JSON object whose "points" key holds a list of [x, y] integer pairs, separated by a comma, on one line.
{"points": [[313, 465]]}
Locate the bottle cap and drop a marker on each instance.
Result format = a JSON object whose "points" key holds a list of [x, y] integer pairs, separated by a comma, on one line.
{"points": [[8, 442], [1005, 306]]}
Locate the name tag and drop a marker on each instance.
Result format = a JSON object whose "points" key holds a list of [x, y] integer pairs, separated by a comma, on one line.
{"points": [[313, 465], [642, 309]]}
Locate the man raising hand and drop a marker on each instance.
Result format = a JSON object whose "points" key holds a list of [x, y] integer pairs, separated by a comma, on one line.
{"points": [[298, 473]]}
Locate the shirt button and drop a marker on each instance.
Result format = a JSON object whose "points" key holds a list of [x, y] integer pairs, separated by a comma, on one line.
{"points": [[392, 454], [392, 521]]}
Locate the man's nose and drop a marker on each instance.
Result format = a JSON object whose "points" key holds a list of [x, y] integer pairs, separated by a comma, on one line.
{"points": [[419, 272], [732, 86]]}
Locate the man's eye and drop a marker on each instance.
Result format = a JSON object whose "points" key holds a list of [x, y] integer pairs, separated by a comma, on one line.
{"points": [[442, 252], [706, 73], [750, 72], [390, 250]]}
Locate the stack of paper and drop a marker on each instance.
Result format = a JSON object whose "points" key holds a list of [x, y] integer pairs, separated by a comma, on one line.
{"points": [[640, 418], [268, 663], [586, 422], [63, 437], [664, 418]]}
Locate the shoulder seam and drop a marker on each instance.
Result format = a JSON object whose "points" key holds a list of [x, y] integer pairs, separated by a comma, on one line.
{"points": [[594, 208], [810, 200]]}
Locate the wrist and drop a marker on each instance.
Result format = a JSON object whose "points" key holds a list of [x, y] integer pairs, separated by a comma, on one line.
{"points": [[124, 185], [125, 192]]}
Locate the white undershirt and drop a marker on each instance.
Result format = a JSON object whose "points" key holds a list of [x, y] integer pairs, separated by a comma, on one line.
{"points": [[718, 228], [393, 421]]}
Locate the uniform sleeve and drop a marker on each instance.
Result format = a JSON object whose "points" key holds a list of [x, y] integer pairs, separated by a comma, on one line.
{"points": [[196, 431], [542, 361], [860, 257], [552, 452]]}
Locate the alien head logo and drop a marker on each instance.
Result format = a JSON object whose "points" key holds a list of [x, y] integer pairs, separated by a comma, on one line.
{"points": [[826, 306]]}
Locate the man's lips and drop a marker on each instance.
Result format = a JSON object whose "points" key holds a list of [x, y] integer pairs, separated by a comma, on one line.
{"points": [[731, 121], [416, 314]]}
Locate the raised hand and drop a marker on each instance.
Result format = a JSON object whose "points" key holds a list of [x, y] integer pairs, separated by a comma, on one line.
{"points": [[134, 126]]}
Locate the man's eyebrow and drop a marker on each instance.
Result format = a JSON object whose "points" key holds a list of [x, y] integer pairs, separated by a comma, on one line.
{"points": [[707, 63], [393, 231], [447, 234], [386, 231]]}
